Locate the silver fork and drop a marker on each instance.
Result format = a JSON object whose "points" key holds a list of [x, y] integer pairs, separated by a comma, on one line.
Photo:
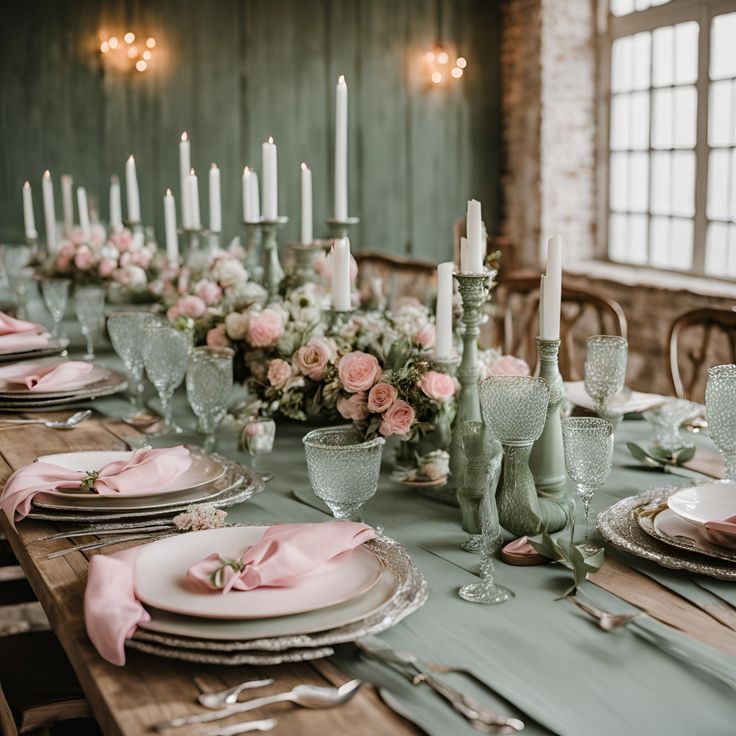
{"points": [[98, 545]]}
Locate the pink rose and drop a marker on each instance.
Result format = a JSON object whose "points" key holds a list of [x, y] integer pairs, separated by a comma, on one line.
{"points": [[122, 239], [208, 291], [254, 429], [398, 419], [83, 259], [425, 337], [191, 306], [141, 258], [437, 386], [107, 266], [381, 396], [358, 371], [312, 359], [279, 373], [216, 337], [265, 328], [172, 313], [507, 365], [353, 407]]}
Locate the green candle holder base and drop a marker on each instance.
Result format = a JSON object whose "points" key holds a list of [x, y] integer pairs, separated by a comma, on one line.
{"points": [[273, 273], [339, 228]]}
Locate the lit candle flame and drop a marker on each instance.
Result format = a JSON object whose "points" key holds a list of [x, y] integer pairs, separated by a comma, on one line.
{"points": [[246, 170], [341, 79], [304, 167], [185, 136], [47, 174], [191, 172], [27, 185], [131, 157], [168, 193], [270, 139], [213, 165]]}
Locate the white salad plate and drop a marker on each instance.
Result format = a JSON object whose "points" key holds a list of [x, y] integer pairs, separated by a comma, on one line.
{"points": [[704, 502]]}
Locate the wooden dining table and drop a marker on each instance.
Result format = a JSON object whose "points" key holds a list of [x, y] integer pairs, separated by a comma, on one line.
{"points": [[128, 701]]}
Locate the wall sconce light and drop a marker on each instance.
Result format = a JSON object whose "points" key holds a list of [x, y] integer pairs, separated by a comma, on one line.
{"points": [[441, 66], [127, 54]]}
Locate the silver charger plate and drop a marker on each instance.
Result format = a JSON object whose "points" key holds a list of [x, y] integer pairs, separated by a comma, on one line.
{"points": [[410, 595], [619, 526], [55, 347]]}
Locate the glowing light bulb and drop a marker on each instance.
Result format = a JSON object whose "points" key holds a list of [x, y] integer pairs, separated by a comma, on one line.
{"points": [[132, 52], [457, 72], [443, 57], [141, 65], [151, 42], [147, 54], [436, 77], [113, 42], [104, 47], [461, 62], [129, 37], [429, 57]]}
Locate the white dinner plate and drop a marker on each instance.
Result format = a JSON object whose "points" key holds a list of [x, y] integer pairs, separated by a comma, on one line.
{"points": [[628, 402], [16, 390], [161, 578], [310, 622], [697, 504], [204, 470]]}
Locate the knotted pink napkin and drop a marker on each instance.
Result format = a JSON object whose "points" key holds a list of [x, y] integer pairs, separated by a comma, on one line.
{"points": [[284, 553], [17, 334], [147, 468], [52, 377], [722, 532]]}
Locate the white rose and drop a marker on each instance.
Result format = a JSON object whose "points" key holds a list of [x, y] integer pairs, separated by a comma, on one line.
{"points": [[229, 272], [236, 325], [136, 276]]}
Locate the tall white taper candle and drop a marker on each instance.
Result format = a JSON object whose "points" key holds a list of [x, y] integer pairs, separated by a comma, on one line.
{"points": [[29, 219], [307, 234], [341, 150], [116, 206], [67, 203], [443, 315], [49, 211], [172, 239], [215, 201], [270, 180], [83, 208], [341, 275], [185, 166], [131, 188]]}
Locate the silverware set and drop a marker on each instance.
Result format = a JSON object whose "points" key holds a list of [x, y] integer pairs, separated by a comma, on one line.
{"points": [[69, 423]]}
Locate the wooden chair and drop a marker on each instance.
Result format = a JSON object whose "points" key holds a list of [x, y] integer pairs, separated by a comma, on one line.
{"points": [[584, 313], [703, 337], [401, 277]]}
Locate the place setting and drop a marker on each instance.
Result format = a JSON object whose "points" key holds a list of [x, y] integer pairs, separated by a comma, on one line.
{"points": [[22, 340]]}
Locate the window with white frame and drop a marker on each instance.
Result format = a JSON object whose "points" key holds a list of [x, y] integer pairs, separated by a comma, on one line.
{"points": [[671, 185]]}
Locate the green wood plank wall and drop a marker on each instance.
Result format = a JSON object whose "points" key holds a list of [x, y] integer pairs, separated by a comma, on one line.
{"points": [[232, 72]]}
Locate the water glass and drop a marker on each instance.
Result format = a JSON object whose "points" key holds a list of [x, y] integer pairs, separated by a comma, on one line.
{"points": [[343, 469], [209, 382], [22, 284], [15, 257], [720, 412], [55, 294], [127, 331], [605, 372], [666, 420], [90, 306], [165, 357], [588, 444], [258, 436]]}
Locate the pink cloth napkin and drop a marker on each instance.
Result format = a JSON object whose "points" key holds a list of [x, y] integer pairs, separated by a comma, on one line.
{"points": [[722, 532], [52, 377], [17, 334], [284, 553], [150, 468]]}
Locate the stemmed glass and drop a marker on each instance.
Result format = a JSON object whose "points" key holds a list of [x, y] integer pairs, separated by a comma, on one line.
{"points": [[209, 381], [605, 373], [343, 469], [165, 356], [259, 435], [127, 331], [588, 443], [485, 590], [720, 412], [55, 294], [90, 307]]}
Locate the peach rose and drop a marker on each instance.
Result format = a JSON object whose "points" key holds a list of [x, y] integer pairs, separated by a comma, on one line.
{"points": [[279, 373], [381, 396], [312, 359], [358, 371], [236, 325], [106, 267], [425, 337], [208, 292], [265, 328], [353, 407], [398, 419], [191, 306], [437, 386], [216, 337], [508, 365], [83, 259]]}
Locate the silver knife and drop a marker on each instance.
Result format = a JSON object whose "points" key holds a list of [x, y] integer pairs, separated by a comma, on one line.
{"points": [[97, 545], [92, 532]]}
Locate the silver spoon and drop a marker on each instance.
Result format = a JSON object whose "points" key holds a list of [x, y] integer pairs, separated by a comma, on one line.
{"points": [[306, 696], [238, 728], [220, 699], [607, 621], [67, 423]]}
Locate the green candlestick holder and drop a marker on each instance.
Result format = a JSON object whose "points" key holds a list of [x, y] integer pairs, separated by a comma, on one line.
{"points": [[252, 246], [339, 228], [273, 273], [305, 254], [336, 319], [473, 288], [547, 460]]}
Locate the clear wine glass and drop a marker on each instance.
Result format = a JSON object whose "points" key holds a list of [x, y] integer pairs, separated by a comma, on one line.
{"points": [[55, 294], [259, 435], [127, 330], [209, 381], [165, 357], [720, 412], [89, 302], [666, 420], [588, 446], [486, 590], [605, 373]]}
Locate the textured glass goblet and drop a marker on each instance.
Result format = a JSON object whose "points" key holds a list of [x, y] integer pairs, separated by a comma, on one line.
{"points": [[209, 382], [165, 356], [22, 284], [485, 590], [588, 443], [259, 435], [720, 411], [16, 257], [666, 421], [55, 294], [126, 331], [89, 302], [605, 373], [343, 469]]}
